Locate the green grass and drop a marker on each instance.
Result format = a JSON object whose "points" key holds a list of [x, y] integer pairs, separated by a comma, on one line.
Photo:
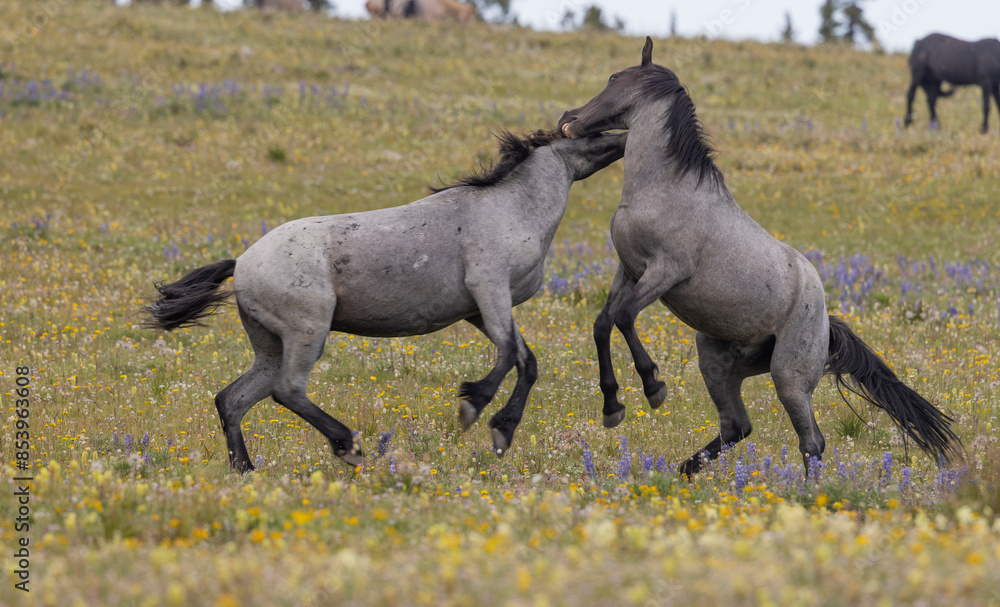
{"points": [[134, 176]]}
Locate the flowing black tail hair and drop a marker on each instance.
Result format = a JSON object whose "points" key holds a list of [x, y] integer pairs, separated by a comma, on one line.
{"points": [[874, 381], [185, 302]]}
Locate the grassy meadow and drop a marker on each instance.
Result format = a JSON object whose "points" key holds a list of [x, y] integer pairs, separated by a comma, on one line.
{"points": [[139, 143]]}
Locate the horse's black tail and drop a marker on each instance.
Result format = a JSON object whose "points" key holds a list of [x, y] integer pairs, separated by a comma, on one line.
{"points": [[185, 302], [874, 381]]}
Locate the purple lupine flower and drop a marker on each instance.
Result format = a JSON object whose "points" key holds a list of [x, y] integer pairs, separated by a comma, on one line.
{"points": [[258, 461], [145, 440], [392, 465], [588, 460], [661, 464], [114, 439], [784, 455], [128, 442], [887, 466], [741, 474], [904, 480], [648, 461], [383, 444]]}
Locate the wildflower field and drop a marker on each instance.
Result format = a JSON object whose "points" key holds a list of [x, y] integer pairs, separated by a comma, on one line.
{"points": [[139, 143]]}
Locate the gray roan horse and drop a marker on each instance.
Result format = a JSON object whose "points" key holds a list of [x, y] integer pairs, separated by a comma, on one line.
{"points": [[757, 304], [939, 58], [471, 251]]}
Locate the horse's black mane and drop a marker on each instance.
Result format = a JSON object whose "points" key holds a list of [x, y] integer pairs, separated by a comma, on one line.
{"points": [[688, 144], [513, 148]]}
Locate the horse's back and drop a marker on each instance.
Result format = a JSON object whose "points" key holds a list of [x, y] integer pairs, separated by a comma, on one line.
{"points": [[945, 58]]}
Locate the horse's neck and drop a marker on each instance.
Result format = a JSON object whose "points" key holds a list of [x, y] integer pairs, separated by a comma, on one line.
{"points": [[648, 167], [646, 160], [545, 178]]}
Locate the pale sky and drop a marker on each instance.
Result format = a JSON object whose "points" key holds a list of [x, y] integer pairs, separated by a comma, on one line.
{"points": [[898, 23]]}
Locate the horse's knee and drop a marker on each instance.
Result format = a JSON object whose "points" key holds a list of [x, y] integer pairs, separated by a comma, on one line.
{"points": [[285, 394], [624, 320], [530, 368], [224, 409], [602, 327], [736, 431]]}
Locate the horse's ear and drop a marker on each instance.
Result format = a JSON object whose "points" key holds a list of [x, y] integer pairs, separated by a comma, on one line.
{"points": [[647, 52]]}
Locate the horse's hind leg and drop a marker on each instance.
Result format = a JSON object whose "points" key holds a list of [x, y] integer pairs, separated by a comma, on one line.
{"points": [[986, 109], [724, 366], [303, 339], [932, 89], [996, 96], [256, 384], [796, 368]]}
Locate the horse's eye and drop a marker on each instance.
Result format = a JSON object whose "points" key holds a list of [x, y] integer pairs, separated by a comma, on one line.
{"points": [[612, 78]]}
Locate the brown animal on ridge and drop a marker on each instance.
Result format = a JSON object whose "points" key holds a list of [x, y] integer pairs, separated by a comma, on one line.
{"points": [[291, 6], [431, 10]]}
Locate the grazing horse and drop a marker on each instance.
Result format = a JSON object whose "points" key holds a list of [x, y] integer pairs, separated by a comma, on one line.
{"points": [[470, 251], [757, 304], [431, 10], [939, 58]]}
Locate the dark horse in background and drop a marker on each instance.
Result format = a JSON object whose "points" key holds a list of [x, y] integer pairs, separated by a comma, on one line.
{"points": [[939, 58]]}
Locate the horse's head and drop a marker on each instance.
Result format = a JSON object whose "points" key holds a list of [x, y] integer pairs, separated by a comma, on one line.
{"points": [[610, 108]]}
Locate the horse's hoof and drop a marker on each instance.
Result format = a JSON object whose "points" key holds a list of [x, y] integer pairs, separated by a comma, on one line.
{"points": [[690, 467], [656, 398], [500, 442], [610, 421], [467, 414], [353, 458]]}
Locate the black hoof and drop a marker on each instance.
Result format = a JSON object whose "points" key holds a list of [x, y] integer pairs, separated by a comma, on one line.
{"points": [[502, 437], [658, 396], [692, 466], [352, 458], [242, 468], [353, 455], [612, 420], [467, 414]]}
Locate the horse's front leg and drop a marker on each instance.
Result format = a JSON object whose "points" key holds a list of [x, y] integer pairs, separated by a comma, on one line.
{"points": [[476, 395], [651, 286], [505, 421], [621, 285]]}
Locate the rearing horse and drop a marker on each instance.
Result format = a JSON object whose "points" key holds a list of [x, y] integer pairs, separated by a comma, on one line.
{"points": [[471, 251], [757, 304]]}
